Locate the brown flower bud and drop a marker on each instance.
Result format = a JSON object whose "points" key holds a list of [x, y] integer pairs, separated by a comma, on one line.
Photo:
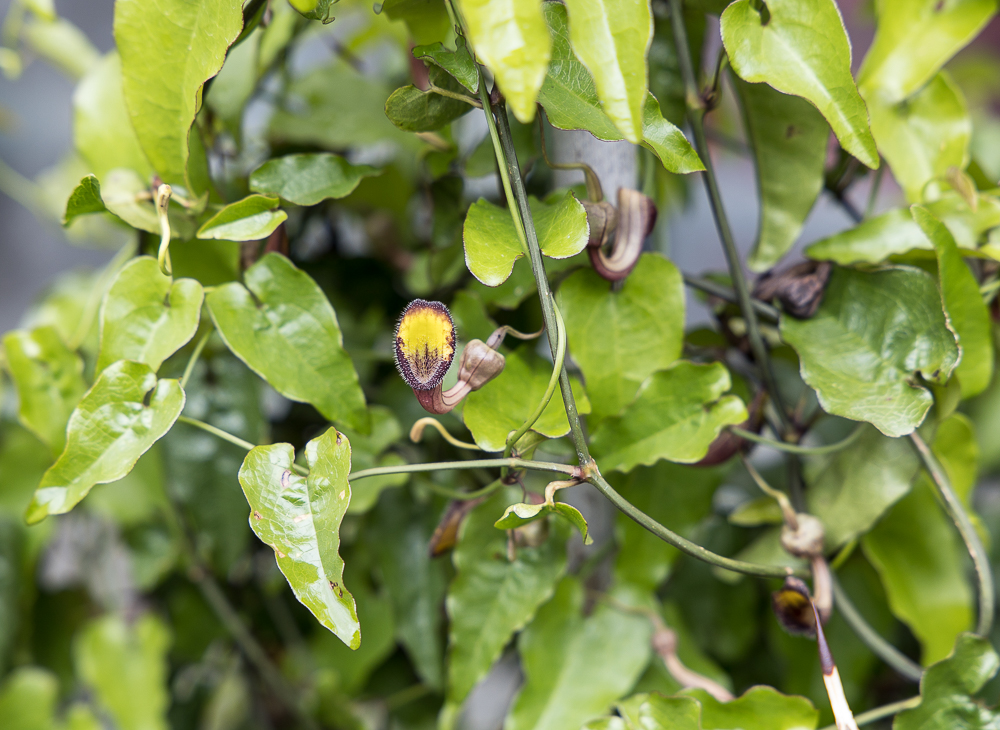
{"points": [[636, 218], [799, 289], [805, 539], [479, 365]]}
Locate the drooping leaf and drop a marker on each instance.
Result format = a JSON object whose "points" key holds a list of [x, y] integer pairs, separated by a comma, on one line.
{"points": [[611, 38], [922, 136], [124, 413], [49, 380], [510, 37], [250, 219], [492, 597], [895, 232], [309, 179], [621, 337], [146, 316], [857, 485], [28, 699], [168, 51], [314, 9], [759, 708], [523, 513], [413, 110], [575, 667], [964, 305], [85, 199], [570, 100], [492, 245], [292, 339], [913, 41], [459, 63], [801, 47], [676, 415], [300, 518], [126, 666], [788, 137], [946, 690], [502, 404], [873, 334]]}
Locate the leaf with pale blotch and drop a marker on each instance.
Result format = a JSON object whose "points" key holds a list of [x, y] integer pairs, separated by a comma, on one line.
{"points": [[283, 327], [611, 38], [458, 63], [147, 316], [299, 517], [802, 49], [788, 137], [125, 412], [49, 380], [84, 200], [676, 415], [619, 337], [492, 245], [922, 137], [169, 49], [309, 179], [522, 513], [895, 232], [964, 304], [569, 97], [914, 39], [871, 338], [250, 219], [510, 38]]}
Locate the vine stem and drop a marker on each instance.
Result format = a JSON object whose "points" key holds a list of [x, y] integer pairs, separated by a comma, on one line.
{"points": [[795, 448], [696, 118], [193, 360], [510, 463], [717, 290], [956, 510], [878, 713]]}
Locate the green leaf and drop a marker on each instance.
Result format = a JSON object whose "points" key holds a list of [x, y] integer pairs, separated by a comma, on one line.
{"points": [[802, 48], [502, 404], [964, 304], [367, 452], [28, 699], [126, 195], [426, 20], [619, 337], [49, 380], [102, 128], [491, 597], [85, 199], [250, 219], [914, 39], [923, 136], [874, 333], [946, 688], [124, 413], [895, 232], [788, 137], [611, 38], [511, 39], [857, 485], [168, 51], [676, 415], [314, 9], [291, 339], [413, 110], [570, 100], [522, 513], [146, 316], [575, 667], [299, 517], [126, 666], [759, 708], [492, 245], [309, 179], [459, 63]]}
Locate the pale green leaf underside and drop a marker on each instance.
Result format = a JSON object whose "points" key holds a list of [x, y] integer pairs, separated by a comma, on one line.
{"points": [[250, 219], [522, 513], [309, 179], [299, 518]]}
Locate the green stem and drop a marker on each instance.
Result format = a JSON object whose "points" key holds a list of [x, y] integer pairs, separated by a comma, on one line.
{"points": [[878, 713], [504, 171], [195, 354], [717, 290], [511, 463], [696, 116], [465, 496], [879, 646], [218, 432], [454, 95], [795, 448], [956, 510]]}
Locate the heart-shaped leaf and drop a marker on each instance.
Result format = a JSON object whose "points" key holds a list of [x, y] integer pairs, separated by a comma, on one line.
{"points": [[492, 245], [84, 200], [522, 513], [873, 335], [250, 219], [415, 110], [299, 517], [146, 316], [125, 412], [800, 47], [309, 179], [283, 327], [676, 415]]}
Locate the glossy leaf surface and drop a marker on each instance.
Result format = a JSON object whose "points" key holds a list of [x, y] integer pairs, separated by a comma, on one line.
{"points": [[309, 179], [124, 413], [299, 517], [522, 513], [873, 333], [458, 63], [292, 339], [415, 110], [249, 219]]}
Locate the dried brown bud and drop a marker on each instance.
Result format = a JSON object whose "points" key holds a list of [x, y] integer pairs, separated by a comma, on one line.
{"points": [[799, 289], [805, 540], [480, 363], [636, 218]]}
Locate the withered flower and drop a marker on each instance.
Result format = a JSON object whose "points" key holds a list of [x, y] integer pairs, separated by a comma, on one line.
{"points": [[631, 223]]}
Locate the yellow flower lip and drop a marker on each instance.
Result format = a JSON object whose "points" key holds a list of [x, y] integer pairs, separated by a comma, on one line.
{"points": [[425, 344]]}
